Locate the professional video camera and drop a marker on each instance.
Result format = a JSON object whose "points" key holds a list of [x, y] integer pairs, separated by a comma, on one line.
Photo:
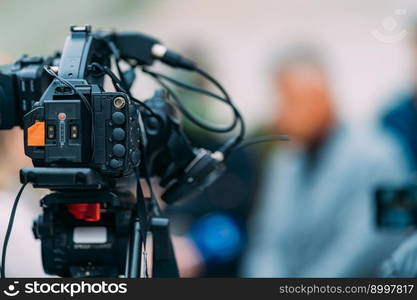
{"points": [[88, 145]]}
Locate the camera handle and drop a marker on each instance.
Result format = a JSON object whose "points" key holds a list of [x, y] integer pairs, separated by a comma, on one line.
{"points": [[163, 258]]}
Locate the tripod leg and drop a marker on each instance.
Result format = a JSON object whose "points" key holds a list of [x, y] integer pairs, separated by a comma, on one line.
{"points": [[164, 262], [134, 258]]}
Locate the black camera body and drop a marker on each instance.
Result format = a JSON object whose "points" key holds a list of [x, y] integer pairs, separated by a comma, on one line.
{"points": [[77, 124], [61, 132]]}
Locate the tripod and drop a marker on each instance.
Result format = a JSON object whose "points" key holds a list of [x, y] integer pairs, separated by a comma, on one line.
{"points": [[90, 230]]}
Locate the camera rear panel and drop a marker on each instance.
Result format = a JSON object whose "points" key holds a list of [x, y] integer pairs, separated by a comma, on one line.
{"points": [[116, 126], [63, 133], [67, 127]]}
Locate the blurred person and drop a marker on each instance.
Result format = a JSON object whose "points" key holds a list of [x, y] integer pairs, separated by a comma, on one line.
{"points": [[315, 212], [23, 254], [401, 120], [403, 262]]}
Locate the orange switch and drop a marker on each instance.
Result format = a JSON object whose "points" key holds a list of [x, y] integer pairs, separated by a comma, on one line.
{"points": [[36, 134]]}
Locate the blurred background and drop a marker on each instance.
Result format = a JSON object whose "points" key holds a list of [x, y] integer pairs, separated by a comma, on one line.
{"points": [[360, 56], [239, 40]]}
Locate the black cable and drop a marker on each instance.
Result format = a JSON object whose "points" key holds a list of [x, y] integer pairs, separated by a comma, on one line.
{"points": [[232, 143], [186, 85], [100, 70], [119, 86], [194, 89], [122, 78], [262, 139], [215, 82], [116, 54], [156, 210], [204, 125], [85, 101], [145, 106], [71, 86], [9, 231], [228, 147]]}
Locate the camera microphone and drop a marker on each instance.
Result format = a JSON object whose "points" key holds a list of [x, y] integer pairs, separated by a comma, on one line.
{"points": [[145, 49], [172, 58]]}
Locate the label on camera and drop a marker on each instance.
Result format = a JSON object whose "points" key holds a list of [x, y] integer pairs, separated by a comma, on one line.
{"points": [[90, 235]]}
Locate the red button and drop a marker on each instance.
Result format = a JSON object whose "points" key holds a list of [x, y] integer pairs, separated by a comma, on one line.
{"points": [[62, 116], [89, 212]]}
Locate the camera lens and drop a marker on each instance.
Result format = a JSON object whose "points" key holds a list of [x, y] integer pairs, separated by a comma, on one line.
{"points": [[7, 105]]}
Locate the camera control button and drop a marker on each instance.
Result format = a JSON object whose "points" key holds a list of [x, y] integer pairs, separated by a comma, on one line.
{"points": [[118, 118], [115, 163], [118, 134], [135, 157], [119, 150]]}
